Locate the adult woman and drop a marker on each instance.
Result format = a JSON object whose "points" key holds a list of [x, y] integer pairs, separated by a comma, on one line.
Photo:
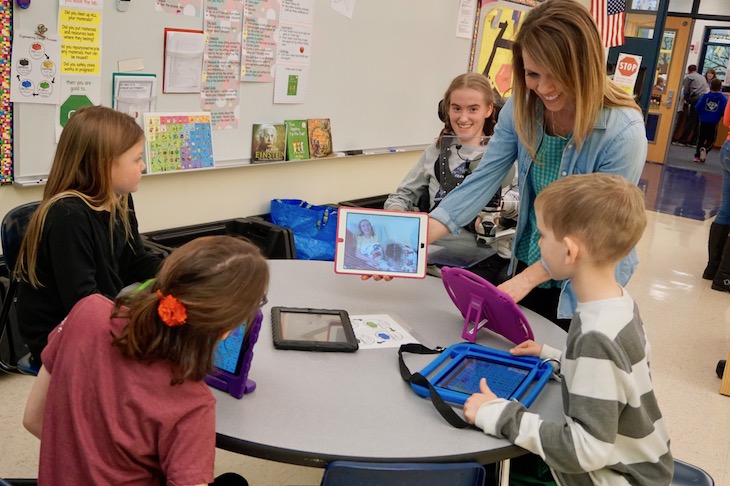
{"points": [[565, 117], [710, 75], [83, 239]]}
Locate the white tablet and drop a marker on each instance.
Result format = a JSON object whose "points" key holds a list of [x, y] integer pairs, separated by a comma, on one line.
{"points": [[379, 242]]}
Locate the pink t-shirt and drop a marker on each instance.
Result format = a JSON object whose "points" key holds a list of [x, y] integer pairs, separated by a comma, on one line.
{"points": [[112, 420]]}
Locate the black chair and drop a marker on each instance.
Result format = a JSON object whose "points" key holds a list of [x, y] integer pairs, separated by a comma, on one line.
{"points": [[689, 475], [276, 242], [345, 473], [372, 202], [12, 231]]}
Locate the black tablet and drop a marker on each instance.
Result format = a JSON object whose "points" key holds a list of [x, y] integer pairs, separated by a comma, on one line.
{"points": [[312, 329]]}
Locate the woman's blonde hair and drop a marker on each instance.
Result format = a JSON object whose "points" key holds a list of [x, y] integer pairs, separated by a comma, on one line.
{"points": [[90, 143], [561, 37], [220, 280]]}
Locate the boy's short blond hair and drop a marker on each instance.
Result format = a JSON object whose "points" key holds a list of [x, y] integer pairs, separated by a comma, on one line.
{"points": [[605, 212]]}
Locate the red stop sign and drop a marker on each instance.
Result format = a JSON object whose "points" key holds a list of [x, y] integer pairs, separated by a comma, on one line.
{"points": [[628, 66]]}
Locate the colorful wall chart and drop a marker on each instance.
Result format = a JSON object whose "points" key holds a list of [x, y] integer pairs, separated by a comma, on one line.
{"points": [[498, 25], [178, 141], [6, 111]]}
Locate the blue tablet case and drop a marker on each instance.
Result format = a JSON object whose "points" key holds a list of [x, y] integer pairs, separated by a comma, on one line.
{"points": [[233, 357], [456, 372]]}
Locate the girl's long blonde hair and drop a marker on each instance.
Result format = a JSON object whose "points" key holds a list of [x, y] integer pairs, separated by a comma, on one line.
{"points": [[82, 167], [561, 36]]}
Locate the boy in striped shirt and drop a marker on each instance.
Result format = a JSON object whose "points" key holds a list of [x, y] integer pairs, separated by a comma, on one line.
{"points": [[614, 432]]}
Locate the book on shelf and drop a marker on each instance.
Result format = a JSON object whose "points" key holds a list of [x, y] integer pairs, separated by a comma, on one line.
{"points": [[320, 138], [268, 142], [297, 140]]}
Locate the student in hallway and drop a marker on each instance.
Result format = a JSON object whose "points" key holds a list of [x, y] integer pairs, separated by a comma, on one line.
{"points": [[120, 398], [694, 86], [614, 431], [710, 109], [718, 264], [83, 239]]}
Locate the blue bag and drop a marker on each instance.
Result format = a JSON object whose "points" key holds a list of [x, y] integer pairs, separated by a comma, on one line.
{"points": [[314, 227]]}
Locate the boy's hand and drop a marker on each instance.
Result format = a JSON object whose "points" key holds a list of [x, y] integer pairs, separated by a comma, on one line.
{"points": [[527, 348], [472, 404]]}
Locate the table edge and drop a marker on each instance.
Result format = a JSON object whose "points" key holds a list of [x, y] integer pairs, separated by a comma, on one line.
{"points": [[310, 459]]}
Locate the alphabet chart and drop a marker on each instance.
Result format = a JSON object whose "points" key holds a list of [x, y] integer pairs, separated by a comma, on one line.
{"points": [[178, 141]]}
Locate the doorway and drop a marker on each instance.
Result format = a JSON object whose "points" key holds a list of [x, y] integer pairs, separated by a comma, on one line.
{"points": [[666, 98]]}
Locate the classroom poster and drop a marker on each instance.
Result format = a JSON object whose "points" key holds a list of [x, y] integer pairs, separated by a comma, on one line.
{"points": [[35, 67], [293, 57], [95, 4], [222, 62], [465, 18], [80, 31], [134, 94], [190, 8], [627, 70], [258, 44], [182, 70], [178, 141], [6, 112]]}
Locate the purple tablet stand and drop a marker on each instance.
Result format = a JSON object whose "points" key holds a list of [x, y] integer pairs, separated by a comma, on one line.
{"points": [[484, 305], [238, 385]]}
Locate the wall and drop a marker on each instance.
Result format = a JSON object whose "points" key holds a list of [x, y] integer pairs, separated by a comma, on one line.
{"points": [[698, 37], [391, 58], [171, 200]]}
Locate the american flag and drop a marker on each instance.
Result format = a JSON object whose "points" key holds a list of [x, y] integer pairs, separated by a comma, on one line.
{"points": [[610, 16]]}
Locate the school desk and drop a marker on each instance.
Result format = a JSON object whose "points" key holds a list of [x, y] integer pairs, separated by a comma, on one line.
{"points": [[311, 408]]}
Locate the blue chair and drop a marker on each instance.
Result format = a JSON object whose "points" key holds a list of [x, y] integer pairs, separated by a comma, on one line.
{"points": [[12, 231], [689, 475], [345, 473]]}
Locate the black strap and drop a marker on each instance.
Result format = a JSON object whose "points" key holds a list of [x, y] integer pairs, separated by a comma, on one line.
{"points": [[418, 379]]}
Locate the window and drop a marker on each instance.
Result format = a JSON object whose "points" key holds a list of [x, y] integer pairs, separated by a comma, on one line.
{"points": [[716, 51]]}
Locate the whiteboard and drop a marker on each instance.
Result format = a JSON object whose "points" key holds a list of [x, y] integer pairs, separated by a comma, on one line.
{"points": [[378, 77]]}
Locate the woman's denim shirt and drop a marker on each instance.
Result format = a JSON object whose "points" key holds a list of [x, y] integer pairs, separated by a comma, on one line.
{"points": [[616, 145]]}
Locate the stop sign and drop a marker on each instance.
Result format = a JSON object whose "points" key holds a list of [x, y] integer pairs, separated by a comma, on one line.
{"points": [[72, 103], [628, 66]]}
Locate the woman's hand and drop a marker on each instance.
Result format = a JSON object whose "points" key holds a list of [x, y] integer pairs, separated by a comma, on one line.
{"points": [[521, 284], [517, 287], [472, 404], [377, 278]]}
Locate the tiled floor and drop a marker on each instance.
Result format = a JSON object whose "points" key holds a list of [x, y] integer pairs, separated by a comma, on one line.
{"points": [[688, 326]]}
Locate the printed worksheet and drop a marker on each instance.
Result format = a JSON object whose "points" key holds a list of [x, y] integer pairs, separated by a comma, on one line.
{"points": [[375, 331]]}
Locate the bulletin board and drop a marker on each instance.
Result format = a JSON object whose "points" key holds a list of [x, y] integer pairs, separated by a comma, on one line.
{"points": [[377, 76]]}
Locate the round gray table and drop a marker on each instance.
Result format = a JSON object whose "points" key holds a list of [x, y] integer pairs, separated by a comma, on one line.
{"points": [[312, 408]]}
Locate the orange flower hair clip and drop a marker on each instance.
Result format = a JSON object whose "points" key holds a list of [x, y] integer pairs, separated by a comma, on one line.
{"points": [[171, 311]]}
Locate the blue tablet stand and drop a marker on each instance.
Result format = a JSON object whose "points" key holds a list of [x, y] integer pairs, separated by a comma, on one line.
{"points": [[519, 378], [239, 384]]}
